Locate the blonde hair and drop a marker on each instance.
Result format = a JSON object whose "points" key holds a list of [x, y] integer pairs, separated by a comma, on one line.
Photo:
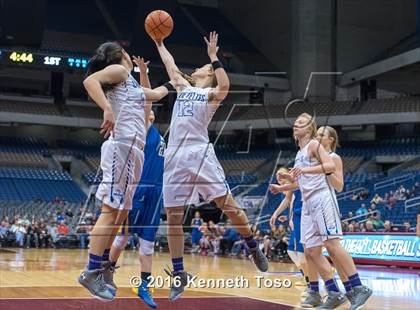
{"points": [[311, 124], [285, 170], [187, 77], [332, 133]]}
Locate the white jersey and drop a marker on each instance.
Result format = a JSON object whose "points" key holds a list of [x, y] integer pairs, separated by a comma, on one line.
{"points": [[309, 183], [128, 104], [191, 116]]}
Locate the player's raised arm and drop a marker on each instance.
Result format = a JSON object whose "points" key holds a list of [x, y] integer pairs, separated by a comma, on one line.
{"points": [[220, 92], [171, 68]]}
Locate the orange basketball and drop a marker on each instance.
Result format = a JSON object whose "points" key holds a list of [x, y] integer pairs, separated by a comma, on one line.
{"points": [[159, 24]]}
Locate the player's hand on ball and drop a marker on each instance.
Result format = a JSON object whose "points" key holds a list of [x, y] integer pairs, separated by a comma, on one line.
{"points": [[139, 61], [275, 189], [212, 47], [108, 124]]}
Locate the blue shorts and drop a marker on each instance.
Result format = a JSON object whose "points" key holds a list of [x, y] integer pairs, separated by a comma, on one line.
{"points": [[294, 242], [144, 218]]}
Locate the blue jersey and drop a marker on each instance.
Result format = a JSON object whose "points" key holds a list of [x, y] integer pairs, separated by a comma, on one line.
{"points": [[153, 158], [297, 203]]}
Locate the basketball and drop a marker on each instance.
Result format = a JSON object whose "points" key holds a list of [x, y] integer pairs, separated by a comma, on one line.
{"points": [[158, 25]]}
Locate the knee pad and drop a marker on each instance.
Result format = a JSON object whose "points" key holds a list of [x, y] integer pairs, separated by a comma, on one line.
{"points": [[146, 247], [120, 242]]}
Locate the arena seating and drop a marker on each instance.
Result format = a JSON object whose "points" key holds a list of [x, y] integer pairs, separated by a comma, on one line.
{"points": [[29, 107], [21, 185]]}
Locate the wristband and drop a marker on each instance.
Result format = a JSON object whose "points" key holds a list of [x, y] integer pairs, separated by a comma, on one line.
{"points": [[216, 65], [169, 87]]}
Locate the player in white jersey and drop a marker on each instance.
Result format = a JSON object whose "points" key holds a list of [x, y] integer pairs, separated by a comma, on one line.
{"points": [[320, 219], [355, 292], [125, 105], [191, 166]]}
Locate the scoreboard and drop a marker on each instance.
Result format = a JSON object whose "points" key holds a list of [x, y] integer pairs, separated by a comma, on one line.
{"points": [[28, 59]]}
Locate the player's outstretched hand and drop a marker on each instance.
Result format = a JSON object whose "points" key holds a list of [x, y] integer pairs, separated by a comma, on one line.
{"points": [[212, 47], [139, 62], [296, 172]]}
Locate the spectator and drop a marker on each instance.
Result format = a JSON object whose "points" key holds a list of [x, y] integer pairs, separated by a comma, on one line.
{"points": [[362, 210], [350, 228], [377, 221], [63, 229], [387, 226], [53, 232], [69, 213], [350, 215], [196, 235], [392, 201], [229, 237], [82, 234], [376, 200], [20, 235], [214, 238], [60, 216], [407, 227]]}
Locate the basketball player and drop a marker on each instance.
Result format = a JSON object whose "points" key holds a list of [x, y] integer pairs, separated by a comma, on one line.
{"points": [[144, 218], [320, 220], [327, 136], [191, 165], [111, 86], [293, 201]]}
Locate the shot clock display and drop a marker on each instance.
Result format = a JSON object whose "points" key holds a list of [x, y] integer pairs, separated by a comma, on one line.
{"points": [[42, 60]]}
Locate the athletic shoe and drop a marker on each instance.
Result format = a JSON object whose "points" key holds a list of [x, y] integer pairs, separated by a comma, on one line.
{"points": [[143, 292], [109, 271], [312, 300], [259, 259], [306, 292], [359, 296], [93, 280], [180, 280], [334, 299]]}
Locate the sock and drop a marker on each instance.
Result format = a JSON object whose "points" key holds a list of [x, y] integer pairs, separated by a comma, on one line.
{"points": [[250, 242], [94, 262], [308, 283], [105, 256], [314, 286], [331, 286], [347, 286], [145, 276], [355, 280], [178, 264]]}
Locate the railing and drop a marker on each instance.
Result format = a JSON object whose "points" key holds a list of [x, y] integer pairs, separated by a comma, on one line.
{"points": [[358, 216], [393, 181], [411, 203], [349, 194]]}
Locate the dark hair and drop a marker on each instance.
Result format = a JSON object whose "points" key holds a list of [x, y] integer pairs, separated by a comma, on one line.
{"points": [[108, 53]]}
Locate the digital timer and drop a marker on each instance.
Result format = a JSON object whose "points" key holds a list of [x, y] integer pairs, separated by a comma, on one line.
{"points": [[22, 57]]}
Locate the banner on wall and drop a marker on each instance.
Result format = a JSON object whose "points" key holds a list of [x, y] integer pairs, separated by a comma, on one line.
{"points": [[383, 249]]}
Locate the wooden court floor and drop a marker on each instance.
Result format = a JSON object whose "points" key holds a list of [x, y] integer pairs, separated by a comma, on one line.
{"points": [[32, 274]]}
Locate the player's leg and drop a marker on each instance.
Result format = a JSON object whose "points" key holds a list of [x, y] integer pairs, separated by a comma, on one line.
{"points": [[146, 250], [358, 294], [92, 278], [175, 236], [240, 221]]}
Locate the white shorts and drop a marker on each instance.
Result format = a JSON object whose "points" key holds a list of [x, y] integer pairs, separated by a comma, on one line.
{"points": [[320, 219], [121, 165], [192, 171]]}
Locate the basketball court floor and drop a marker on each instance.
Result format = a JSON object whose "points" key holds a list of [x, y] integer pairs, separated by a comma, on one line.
{"points": [[32, 279]]}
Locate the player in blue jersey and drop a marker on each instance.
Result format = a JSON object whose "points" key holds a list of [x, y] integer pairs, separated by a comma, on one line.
{"points": [[144, 217], [293, 201]]}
